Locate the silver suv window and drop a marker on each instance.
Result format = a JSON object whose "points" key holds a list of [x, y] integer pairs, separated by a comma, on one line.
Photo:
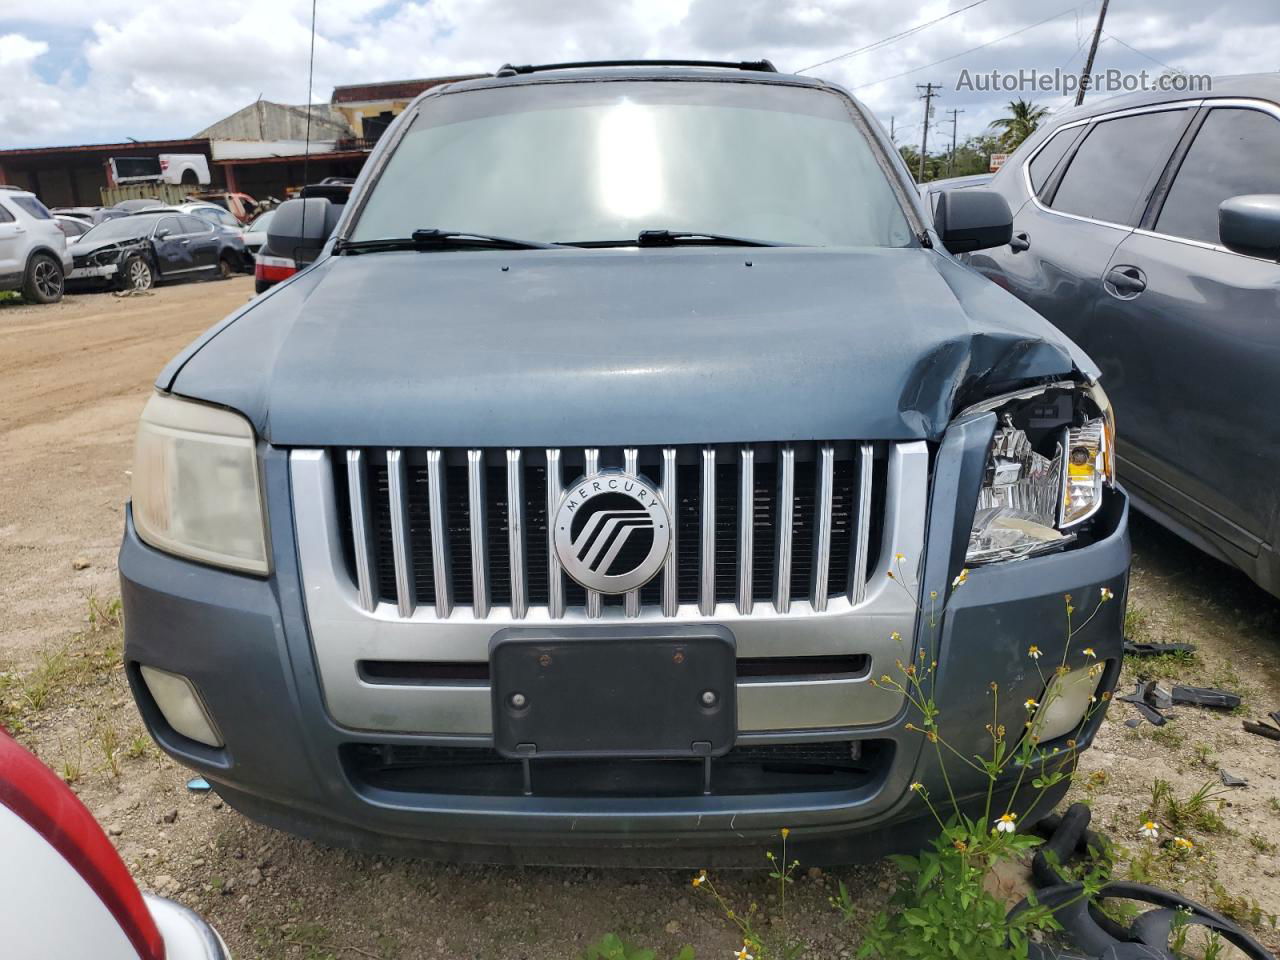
{"points": [[599, 162], [33, 207], [1113, 172], [1236, 152]]}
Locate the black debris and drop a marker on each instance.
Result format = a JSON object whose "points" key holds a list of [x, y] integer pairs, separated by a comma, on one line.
{"points": [[1144, 699], [1262, 729], [1206, 697], [1231, 780], [1135, 649]]}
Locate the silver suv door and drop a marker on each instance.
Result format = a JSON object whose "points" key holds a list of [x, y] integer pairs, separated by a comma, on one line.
{"points": [[1191, 334], [12, 245], [1088, 185]]}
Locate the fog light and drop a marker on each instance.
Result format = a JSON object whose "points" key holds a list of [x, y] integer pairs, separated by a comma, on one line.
{"points": [[1065, 702], [177, 699]]}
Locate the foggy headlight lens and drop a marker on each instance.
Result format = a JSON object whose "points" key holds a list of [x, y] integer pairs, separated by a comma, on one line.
{"points": [[196, 489]]}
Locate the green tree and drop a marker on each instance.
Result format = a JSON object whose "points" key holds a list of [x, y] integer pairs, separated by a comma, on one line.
{"points": [[1024, 117]]}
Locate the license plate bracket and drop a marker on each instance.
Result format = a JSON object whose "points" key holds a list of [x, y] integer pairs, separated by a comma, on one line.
{"points": [[613, 692]]}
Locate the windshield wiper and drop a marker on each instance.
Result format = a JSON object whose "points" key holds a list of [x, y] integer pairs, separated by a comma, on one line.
{"points": [[674, 238], [434, 239], [670, 238]]}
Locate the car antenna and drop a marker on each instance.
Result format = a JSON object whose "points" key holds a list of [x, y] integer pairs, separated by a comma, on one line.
{"points": [[306, 146]]}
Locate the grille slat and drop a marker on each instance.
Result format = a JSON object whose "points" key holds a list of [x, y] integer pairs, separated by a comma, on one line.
{"points": [[752, 525]]}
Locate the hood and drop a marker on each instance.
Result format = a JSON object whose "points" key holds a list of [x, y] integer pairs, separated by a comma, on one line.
{"points": [[613, 347], [79, 248]]}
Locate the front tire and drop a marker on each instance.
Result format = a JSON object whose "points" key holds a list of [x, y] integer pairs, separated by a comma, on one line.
{"points": [[44, 280], [226, 267], [136, 274]]}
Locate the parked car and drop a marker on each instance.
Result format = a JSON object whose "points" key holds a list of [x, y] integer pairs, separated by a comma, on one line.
{"points": [[33, 250], [255, 234], [565, 507], [240, 205], [209, 211], [72, 227], [1148, 229], [94, 215], [176, 168], [932, 189], [73, 896], [143, 249], [273, 264]]}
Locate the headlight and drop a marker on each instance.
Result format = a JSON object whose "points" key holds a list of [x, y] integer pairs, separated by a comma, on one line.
{"points": [[196, 490], [1050, 459]]}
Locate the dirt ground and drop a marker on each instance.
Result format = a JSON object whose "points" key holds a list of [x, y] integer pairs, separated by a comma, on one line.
{"points": [[73, 378]]}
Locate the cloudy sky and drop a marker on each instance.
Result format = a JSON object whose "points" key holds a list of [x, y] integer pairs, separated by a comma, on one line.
{"points": [[82, 71]]}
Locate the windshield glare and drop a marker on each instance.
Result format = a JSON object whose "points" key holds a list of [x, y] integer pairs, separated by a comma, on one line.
{"points": [[595, 162], [122, 228]]}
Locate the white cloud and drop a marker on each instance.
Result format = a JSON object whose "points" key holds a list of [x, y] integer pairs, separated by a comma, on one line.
{"points": [[134, 69]]}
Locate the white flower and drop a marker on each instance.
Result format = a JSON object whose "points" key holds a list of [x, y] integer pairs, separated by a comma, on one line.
{"points": [[1149, 831], [743, 954], [1182, 843], [1088, 652], [1006, 823], [1030, 704], [960, 578], [1034, 652], [1107, 594]]}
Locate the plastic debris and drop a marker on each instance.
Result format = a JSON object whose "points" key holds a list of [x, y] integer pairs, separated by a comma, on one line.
{"points": [[1144, 699], [1135, 649], [198, 785], [1262, 729], [1206, 697], [1230, 779]]}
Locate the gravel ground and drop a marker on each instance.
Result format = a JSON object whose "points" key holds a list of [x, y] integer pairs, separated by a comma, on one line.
{"points": [[72, 381]]}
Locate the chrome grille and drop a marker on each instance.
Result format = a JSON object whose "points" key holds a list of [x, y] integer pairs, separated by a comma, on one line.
{"points": [[758, 526]]}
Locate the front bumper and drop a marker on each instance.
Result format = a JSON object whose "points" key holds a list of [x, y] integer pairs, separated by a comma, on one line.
{"points": [[105, 272], [246, 645]]}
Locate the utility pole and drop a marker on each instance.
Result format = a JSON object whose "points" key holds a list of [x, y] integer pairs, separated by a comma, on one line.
{"points": [[1093, 50], [930, 91], [955, 123]]}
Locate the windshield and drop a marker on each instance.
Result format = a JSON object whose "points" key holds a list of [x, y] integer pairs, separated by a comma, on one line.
{"points": [[596, 162], [122, 228]]}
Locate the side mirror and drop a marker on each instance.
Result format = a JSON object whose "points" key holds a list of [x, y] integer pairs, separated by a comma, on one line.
{"points": [[300, 227], [162, 233], [972, 219], [1251, 225]]}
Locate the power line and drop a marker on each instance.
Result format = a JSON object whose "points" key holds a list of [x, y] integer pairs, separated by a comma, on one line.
{"points": [[965, 53], [896, 36], [1112, 36]]}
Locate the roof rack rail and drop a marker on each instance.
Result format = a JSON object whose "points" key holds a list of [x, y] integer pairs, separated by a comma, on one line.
{"points": [[760, 66]]}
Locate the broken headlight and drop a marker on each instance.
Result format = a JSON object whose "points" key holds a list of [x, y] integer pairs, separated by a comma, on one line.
{"points": [[1051, 457]]}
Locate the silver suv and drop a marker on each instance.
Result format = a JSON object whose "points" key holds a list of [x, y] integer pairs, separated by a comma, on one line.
{"points": [[33, 250]]}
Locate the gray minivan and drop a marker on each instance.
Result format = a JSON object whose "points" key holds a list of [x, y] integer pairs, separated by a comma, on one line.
{"points": [[633, 422], [1147, 228]]}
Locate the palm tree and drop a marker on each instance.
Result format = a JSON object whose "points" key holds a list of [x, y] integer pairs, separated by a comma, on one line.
{"points": [[1024, 117]]}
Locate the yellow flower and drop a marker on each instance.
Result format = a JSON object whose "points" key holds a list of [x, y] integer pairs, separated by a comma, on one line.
{"points": [[960, 845], [786, 832], [899, 556], [895, 636], [917, 785], [700, 879], [1088, 652], [1182, 843], [1034, 652], [961, 578]]}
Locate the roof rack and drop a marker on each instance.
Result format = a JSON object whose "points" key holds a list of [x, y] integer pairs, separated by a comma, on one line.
{"points": [[759, 66]]}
